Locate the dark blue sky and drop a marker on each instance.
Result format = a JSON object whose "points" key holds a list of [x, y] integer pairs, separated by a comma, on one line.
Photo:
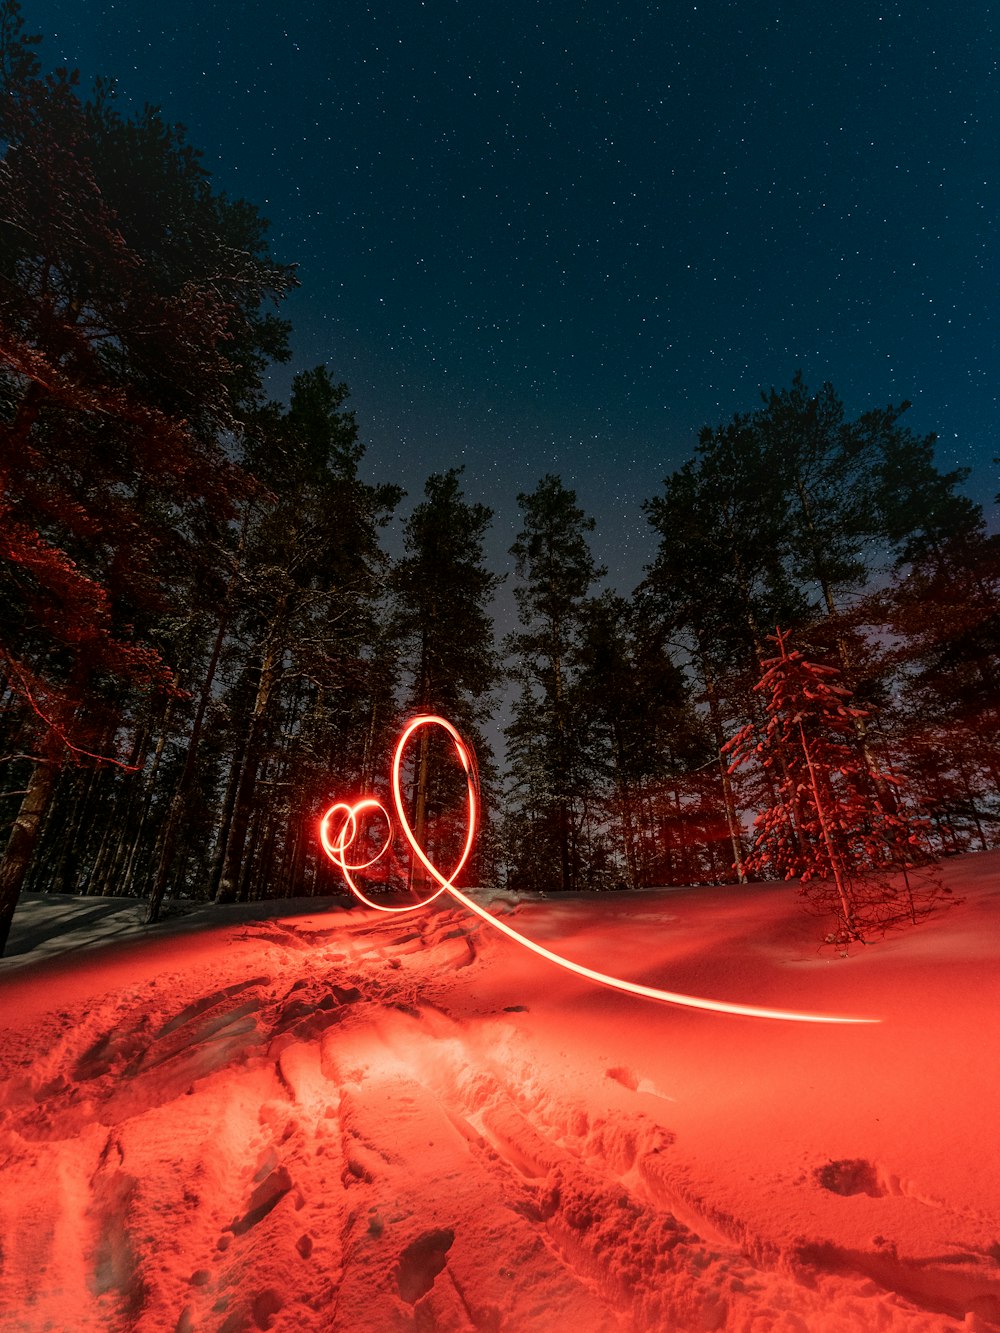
{"points": [[561, 237]]}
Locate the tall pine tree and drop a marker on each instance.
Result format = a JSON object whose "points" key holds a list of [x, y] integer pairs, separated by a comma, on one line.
{"points": [[132, 338], [306, 621], [644, 736], [549, 738], [442, 621]]}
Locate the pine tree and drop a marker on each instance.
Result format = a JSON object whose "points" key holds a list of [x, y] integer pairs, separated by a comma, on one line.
{"points": [[941, 615], [442, 622], [850, 495], [788, 514], [548, 738], [720, 578], [131, 342], [853, 858], [305, 617], [644, 732]]}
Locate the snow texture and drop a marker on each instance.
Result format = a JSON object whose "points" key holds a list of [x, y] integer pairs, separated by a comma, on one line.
{"points": [[295, 1117]]}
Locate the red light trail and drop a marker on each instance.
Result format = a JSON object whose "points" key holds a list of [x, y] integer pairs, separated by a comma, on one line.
{"points": [[336, 847]]}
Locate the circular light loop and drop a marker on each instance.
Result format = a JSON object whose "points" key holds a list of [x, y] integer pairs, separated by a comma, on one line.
{"points": [[348, 832]]}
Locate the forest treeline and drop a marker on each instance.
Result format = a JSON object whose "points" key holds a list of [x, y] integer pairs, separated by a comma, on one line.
{"points": [[203, 638]]}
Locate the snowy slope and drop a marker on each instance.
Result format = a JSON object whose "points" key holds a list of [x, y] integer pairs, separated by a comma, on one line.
{"points": [[337, 1120]]}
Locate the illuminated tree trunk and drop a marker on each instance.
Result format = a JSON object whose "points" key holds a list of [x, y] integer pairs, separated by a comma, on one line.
{"points": [[833, 856], [21, 842]]}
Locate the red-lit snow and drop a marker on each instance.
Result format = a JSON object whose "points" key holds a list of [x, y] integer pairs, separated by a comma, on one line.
{"points": [[309, 1118]]}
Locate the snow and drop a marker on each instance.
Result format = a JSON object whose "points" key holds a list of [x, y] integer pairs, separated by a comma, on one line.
{"points": [[300, 1116]]}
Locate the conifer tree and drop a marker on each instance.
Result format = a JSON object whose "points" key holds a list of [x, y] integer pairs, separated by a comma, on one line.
{"points": [[854, 859], [788, 514], [854, 495], [442, 593], [942, 614], [132, 338], [305, 618], [720, 578], [644, 732], [442, 622], [548, 737]]}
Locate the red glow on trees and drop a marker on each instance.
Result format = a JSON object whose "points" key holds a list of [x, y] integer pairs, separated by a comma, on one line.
{"points": [[827, 825]]}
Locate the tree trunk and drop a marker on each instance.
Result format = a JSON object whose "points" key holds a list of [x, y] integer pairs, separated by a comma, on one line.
{"points": [[625, 810], [145, 804], [833, 857], [169, 840], [728, 800], [113, 848], [228, 805], [232, 865], [21, 843]]}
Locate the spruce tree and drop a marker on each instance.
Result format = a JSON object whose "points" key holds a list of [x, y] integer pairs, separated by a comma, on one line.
{"points": [[866, 866]]}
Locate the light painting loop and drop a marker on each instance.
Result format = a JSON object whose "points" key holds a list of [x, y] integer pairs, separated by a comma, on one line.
{"points": [[336, 848], [349, 832], [469, 768]]}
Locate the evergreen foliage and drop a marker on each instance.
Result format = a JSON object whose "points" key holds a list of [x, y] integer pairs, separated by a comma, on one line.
{"points": [[549, 738], [825, 827], [441, 620], [131, 340], [442, 613], [646, 741], [302, 624]]}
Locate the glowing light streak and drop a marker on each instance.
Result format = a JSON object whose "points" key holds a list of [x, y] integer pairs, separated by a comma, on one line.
{"points": [[336, 848]]}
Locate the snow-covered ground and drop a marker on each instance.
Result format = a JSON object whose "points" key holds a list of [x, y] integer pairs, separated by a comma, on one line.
{"points": [[301, 1119]]}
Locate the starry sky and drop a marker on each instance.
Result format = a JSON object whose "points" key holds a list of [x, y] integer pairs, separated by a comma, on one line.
{"points": [[561, 237]]}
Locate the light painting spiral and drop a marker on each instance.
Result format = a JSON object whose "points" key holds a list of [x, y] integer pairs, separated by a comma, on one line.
{"points": [[339, 830]]}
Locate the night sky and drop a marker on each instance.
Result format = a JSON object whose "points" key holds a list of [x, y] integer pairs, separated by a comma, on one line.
{"points": [[541, 237]]}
